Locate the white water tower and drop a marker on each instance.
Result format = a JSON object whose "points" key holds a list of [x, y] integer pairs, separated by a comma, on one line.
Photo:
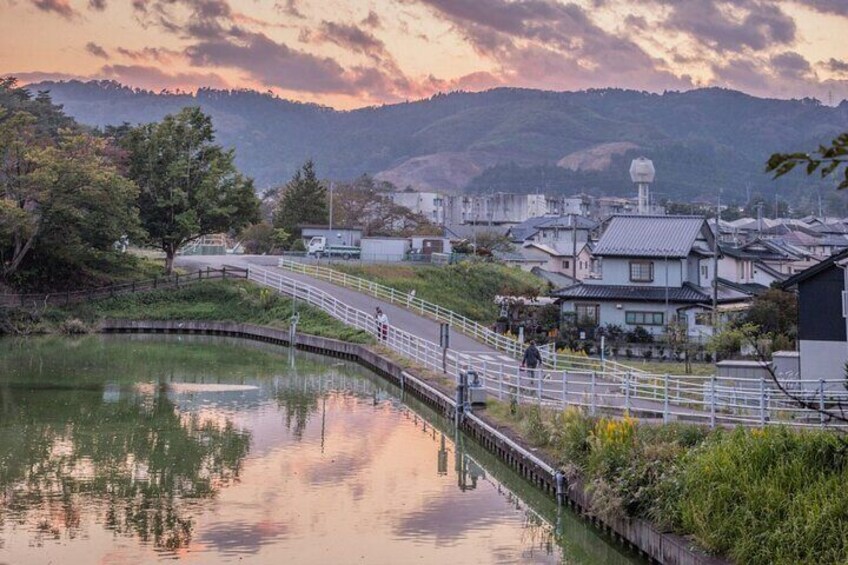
{"points": [[642, 173]]}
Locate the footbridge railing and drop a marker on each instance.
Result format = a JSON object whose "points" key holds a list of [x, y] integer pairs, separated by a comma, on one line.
{"points": [[709, 400], [467, 326]]}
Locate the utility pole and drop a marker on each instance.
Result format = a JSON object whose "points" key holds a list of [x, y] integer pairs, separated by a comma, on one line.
{"points": [[574, 247], [331, 208], [715, 262]]}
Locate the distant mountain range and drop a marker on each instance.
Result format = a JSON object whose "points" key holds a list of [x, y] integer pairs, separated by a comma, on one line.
{"points": [[501, 140]]}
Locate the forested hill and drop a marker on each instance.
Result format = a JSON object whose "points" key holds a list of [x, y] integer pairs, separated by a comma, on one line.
{"points": [[503, 139]]}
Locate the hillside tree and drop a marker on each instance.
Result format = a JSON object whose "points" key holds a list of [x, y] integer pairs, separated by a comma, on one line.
{"points": [[189, 186], [303, 201]]}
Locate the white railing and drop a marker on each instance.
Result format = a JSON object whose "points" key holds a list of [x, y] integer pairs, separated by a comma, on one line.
{"points": [[471, 328], [710, 400]]}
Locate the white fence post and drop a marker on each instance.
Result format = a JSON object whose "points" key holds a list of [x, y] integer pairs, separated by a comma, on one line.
{"points": [[538, 377], [592, 410], [665, 399], [564, 390], [627, 392], [821, 402], [762, 402], [712, 400]]}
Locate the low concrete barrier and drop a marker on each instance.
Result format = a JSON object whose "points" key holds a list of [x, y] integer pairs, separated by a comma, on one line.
{"points": [[641, 535]]}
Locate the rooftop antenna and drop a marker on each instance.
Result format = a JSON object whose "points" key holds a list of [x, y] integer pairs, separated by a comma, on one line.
{"points": [[642, 174]]}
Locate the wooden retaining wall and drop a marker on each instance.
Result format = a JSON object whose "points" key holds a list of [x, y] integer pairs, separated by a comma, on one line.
{"points": [[644, 537]]}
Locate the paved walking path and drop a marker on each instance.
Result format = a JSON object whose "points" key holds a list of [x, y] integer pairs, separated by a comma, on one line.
{"points": [[398, 317], [421, 326]]}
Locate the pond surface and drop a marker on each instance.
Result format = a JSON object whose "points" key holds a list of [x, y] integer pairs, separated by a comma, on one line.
{"points": [[136, 449]]}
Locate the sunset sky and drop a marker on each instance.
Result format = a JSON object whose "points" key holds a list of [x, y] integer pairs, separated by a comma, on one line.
{"points": [[352, 53]]}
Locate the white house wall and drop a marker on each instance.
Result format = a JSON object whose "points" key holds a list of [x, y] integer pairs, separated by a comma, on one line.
{"points": [[610, 313], [616, 271]]}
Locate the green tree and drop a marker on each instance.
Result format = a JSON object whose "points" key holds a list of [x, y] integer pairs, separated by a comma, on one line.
{"points": [[189, 186], [827, 159], [61, 200], [774, 312], [304, 201]]}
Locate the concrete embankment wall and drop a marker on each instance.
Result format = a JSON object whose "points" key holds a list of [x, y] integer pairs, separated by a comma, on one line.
{"points": [[639, 534]]}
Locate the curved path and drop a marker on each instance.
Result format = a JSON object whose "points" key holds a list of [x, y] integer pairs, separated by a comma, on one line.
{"points": [[399, 317]]}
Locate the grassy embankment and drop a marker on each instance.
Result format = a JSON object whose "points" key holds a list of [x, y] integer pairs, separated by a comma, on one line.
{"points": [[235, 301], [754, 496], [468, 288]]}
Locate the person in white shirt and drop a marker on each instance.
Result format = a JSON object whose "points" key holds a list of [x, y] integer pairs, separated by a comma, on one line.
{"points": [[382, 324]]}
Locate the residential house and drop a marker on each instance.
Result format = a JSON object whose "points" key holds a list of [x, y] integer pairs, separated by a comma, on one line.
{"points": [[652, 270], [822, 292], [560, 257], [763, 262]]}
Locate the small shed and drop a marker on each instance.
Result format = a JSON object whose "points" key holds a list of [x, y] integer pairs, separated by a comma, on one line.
{"points": [[428, 244], [385, 249]]}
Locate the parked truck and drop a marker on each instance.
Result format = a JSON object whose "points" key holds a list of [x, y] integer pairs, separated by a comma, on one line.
{"points": [[318, 248]]}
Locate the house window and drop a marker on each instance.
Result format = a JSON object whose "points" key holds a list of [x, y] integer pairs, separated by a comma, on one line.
{"points": [[704, 271], [641, 271], [587, 314], [566, 264], [703, 318], [644, 318]]}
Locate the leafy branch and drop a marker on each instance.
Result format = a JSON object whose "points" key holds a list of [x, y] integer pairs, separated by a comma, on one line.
{"points": [[826, 160]]}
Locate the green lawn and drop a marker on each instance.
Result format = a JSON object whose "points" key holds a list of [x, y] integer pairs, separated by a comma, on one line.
{"points": [[468, 288], [235, 301]]}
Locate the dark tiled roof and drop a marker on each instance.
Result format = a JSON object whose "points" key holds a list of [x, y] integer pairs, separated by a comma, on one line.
{"points": [[748, 288], [649, 236], [688, 293], [529, 227]]}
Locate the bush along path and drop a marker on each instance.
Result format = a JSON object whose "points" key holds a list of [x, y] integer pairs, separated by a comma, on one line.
{"points": [[759, 496]]}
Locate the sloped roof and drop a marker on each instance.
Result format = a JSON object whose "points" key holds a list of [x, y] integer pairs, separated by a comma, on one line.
{"points": [[814, 270], [649, 236], [529, 227], [688, 293], [556, 248], [556, 279]]}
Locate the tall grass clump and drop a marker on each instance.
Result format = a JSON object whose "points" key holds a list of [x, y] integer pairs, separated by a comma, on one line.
{"points": [[768, 496]]}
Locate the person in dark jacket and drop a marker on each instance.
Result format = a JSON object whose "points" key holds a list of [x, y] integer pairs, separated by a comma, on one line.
{"points": [[532, 358]]}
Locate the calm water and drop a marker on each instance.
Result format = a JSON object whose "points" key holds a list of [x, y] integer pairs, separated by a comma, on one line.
{"points": [[140, 449]]}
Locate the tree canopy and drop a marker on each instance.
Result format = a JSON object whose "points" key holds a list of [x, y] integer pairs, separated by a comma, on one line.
{"points": [[189, 186], [303, 201], [62, 199]]}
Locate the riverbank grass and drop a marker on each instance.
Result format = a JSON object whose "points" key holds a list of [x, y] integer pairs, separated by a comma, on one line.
{"points": [[774, 495], [233, 301], [468, 288]]}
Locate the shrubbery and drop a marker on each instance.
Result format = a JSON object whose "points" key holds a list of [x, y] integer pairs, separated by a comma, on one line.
{"points": [[755, 496]]}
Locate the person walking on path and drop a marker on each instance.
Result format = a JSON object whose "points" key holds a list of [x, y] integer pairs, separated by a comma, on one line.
{"points": [[382, 324], [532, 359]]}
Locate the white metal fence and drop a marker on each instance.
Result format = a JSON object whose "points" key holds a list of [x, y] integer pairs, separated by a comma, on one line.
{"points": [[708, 400], [471, 328]]}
